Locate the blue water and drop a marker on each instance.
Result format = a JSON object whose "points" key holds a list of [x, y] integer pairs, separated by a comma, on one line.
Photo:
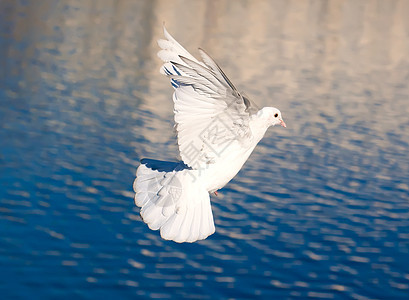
{"points": [[320, 210]]}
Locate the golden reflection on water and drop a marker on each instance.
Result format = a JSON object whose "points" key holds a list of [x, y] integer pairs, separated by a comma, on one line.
{"points": [[277, 51]]}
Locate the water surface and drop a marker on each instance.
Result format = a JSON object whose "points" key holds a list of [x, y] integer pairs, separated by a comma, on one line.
{"points": [[321, 209]]}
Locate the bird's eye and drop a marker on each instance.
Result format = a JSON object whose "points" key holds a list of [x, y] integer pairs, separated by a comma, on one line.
{"points": [[276, 115]]}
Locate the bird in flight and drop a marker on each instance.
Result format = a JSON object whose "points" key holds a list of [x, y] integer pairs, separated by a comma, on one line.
{"points": [[217, 130]]}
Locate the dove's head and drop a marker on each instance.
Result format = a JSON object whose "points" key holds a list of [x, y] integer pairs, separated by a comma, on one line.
{"points": [[272, 116]]}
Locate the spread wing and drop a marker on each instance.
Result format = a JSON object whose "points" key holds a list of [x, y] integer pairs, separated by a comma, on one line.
{"points": [[210, 113]]}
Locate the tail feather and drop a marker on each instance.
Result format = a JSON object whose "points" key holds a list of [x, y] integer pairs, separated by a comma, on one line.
{"points": [[171, 228], [174, 202]]}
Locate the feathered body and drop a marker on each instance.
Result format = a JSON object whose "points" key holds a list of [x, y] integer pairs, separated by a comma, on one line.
{"points": [[217, 130]]}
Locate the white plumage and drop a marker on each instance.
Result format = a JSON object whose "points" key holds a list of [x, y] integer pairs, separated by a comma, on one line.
{"points": [[217, 129]]}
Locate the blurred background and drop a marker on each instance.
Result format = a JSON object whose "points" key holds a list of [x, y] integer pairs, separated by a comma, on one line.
{"points": [[320, 210]]}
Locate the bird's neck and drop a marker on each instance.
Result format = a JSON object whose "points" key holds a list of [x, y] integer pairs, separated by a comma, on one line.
{"points": [[258, 126]]}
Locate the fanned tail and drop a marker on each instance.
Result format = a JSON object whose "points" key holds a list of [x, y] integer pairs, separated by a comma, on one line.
{"points": [[173, 200]]}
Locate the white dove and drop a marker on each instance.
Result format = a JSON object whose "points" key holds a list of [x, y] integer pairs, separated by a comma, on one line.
{"points": [[217, 130]]}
